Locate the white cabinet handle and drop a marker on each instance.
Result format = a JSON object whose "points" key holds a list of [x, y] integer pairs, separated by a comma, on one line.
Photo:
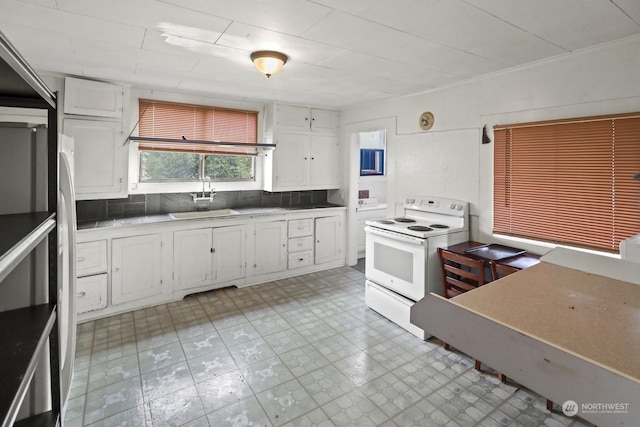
{"points": [[299, 243], [81, 294], [81, 259]]}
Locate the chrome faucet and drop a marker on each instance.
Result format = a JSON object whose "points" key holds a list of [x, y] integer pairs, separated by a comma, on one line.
{"points": [[204, 198], [207, 179]]}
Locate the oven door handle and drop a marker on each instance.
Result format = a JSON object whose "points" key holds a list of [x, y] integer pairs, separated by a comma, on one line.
{"points": [[395, 236]]}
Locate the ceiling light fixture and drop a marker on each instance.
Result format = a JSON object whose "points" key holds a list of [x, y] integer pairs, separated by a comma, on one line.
{"points": [[268, 61]]}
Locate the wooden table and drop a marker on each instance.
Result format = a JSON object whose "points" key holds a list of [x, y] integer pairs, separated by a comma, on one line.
{"points": [[520, 262], [565, 333]]}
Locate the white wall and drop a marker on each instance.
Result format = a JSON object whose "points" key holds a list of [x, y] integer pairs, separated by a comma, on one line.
{"points": [[450, 160]]}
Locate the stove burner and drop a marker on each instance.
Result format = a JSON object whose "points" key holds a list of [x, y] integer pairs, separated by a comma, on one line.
{"points": [[402, 219], [419, 228], [438, 226], [384, 221]]}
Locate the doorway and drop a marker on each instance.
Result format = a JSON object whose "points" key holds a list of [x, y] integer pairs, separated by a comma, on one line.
{"points": [[370, 172]]}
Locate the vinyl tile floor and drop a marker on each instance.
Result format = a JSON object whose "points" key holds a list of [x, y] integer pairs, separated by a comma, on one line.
{"points": [[302, 351]]}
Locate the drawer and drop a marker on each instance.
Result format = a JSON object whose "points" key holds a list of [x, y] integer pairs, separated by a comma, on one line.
{"points": [[300, 259], [91, 293], [299, 244], [301, 227], [91, 258]]}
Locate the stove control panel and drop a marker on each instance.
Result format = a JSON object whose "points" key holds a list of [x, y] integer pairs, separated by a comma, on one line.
{"points": [[440, 205]]}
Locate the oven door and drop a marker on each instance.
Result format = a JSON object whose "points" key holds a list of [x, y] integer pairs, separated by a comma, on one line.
{"points": [[397, 262]]}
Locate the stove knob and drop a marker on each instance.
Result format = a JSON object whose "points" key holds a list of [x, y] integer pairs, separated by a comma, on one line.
{"points": [[459, 207], [452, 206]]}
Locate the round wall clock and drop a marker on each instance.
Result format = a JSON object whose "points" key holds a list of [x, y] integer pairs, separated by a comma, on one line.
{"points": [[426, 120]]}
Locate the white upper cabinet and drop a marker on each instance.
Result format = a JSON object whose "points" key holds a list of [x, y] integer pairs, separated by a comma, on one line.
{"points": [[91, 98], [324, 121], [324, 162], [302, 119], [307, 155], [101, 157], [100, 163], [291, 118]]}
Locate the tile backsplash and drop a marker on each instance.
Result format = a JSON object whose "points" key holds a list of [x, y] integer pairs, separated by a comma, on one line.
{"points": [[155, 204]]}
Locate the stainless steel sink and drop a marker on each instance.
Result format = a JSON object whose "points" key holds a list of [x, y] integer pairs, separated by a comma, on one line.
{"points": [[203, 214]]}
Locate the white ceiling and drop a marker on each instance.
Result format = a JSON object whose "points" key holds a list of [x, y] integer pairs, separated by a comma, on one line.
{"points": [[342, 52]]}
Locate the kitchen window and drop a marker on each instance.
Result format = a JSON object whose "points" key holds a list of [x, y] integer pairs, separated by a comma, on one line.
{"points": [[568, 182], [194, 143]]}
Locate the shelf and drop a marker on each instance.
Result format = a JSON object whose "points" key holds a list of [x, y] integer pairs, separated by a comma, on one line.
{"points": [[23, 337], [19, 234], [46, 419]]}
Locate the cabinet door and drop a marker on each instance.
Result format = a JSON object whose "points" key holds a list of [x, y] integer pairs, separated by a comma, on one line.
{"points": [[270, 251], [91, 258], [91, 98], [229, 252], [324, 121], [91, 293], [292, 161], [136, 268], [324, 164], [292, 118], [100, 159], [329, 240], [192, 254]]}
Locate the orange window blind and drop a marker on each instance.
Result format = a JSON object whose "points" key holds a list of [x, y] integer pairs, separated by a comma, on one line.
{"points": [[199, 126], [568, 182]]}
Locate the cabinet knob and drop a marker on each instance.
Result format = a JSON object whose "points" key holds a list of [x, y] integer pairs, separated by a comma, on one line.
{"points": [[300, 259], [213, 250], [81, 294], [80, 259]]}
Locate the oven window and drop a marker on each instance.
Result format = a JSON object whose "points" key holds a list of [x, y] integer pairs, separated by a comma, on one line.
{"points": [[394, 262]]}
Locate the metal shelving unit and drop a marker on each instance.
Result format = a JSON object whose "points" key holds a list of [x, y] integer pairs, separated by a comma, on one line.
{"points": [[29, 334]]}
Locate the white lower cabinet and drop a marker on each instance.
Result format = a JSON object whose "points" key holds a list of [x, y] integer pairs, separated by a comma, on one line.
{"points": [[207, 256], [329, 234], [92, 280], [91, 293], [136, 271], [270, 247], [192, 258], [229, 253], [124, 268], [300, 245]]}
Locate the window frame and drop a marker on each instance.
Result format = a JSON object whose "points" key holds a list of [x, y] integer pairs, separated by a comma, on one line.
{"points": [[181, 186]]}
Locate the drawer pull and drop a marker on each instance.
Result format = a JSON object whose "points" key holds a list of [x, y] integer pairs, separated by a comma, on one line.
{"points": [[300, 243], [300, 227], [81, 294], [81, 259], [300, 259]]}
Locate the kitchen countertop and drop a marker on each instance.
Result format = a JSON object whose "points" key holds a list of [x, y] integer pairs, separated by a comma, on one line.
{"points": [[150, 219]]}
